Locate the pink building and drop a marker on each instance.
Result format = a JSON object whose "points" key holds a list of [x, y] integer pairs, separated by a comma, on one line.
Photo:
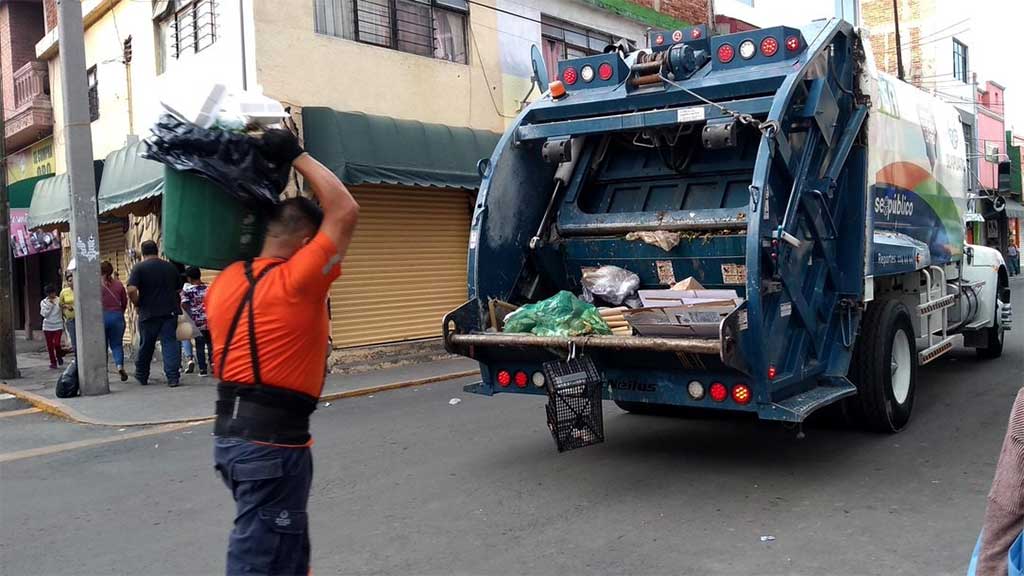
{"points": [[991, 146]]}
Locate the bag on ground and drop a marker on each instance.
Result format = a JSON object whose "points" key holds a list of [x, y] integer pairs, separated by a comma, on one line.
{"points": [[67, 383]]}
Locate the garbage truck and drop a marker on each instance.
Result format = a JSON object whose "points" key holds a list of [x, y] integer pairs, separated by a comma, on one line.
{"points": [[829, 196]]}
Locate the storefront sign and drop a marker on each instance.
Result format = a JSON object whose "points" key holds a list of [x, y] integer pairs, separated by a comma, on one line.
{"points": [[25, 242], [36, 160]]}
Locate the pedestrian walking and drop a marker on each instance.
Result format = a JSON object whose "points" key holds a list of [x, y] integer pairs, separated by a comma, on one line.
{"points": [[1013, 258], [268, 319], [53, 325], [186, 345], [67, 306], [1004, 515], [153, 288], [193, 300], [115, 301]]}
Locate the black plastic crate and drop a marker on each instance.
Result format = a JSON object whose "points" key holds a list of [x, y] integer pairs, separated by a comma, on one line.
{"points": [[574, 403]]}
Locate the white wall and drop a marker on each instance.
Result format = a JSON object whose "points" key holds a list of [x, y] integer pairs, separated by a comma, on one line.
{"points": [[767, 13]]}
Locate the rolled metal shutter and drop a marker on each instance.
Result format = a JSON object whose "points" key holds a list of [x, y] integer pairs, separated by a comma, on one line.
{"points": [[114, 248], [406, 266]]}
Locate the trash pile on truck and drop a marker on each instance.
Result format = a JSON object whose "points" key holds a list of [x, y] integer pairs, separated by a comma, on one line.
{"points": [[612, 304]]}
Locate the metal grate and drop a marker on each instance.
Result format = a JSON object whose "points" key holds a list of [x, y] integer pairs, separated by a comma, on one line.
{"points": [[195, 27], [574, 403]]}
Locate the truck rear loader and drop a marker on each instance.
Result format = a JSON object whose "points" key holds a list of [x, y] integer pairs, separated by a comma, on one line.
{"points": [[829, 196]]}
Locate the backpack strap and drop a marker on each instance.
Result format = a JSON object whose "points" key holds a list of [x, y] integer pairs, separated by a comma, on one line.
{"points": [[247, 299]]}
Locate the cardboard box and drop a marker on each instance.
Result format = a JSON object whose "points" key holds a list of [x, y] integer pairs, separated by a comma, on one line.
{"points": [[699, 320], [664, 298]]}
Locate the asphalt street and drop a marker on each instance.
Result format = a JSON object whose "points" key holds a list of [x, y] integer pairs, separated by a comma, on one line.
{"points": [[406, 483]]}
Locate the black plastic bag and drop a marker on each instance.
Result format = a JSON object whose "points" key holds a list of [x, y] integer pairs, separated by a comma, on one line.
{"points": [[231, 159], [67, 383]]}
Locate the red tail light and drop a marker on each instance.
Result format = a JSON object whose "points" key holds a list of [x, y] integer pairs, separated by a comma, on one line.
{"points": [[769, 46], [793, 43], [726, 53], [718, 392], [605, 71], [695, 34], [772, 372], [521, 379], [741, 394], [659, 39], [504, 378], [569, 76]]}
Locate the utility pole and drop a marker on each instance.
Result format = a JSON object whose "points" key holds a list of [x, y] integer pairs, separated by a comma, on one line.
{"points": [[8, 353], [711, 17], [91, 349], [899, 48]]}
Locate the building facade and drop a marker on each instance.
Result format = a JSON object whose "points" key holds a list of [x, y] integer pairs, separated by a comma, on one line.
{"points": [[399, 98], [28, 126]]}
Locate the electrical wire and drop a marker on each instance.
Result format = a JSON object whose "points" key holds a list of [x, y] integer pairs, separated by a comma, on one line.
{"points": [[483, 69], [939, 31]]}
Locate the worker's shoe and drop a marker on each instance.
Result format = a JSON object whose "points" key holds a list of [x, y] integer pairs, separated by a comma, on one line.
{"points": [[191, 367], [122, 374], [172, 383]]}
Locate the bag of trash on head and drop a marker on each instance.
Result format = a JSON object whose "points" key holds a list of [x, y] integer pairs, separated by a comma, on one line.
{"points": [[234, 160], [560, 315], [611, 284], [67, 382]]}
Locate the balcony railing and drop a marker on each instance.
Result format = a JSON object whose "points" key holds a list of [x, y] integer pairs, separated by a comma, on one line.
{"points": [[31, 82], [32, 117]]}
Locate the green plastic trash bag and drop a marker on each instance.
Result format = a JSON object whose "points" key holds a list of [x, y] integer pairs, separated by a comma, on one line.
{"points": [[561, 315]]}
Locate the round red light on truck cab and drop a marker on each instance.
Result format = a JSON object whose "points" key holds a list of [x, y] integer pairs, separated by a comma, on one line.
{"points": [[741, 394], [769, 46], [605, 71], [659, 39], [695, 34], [718, 392], [569, 76], [504, 378], [726, 53], [521, 379], [793, 43]]}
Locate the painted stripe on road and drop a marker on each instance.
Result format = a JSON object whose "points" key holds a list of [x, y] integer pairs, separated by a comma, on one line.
{"points": [[57, 448], [21, 412]]}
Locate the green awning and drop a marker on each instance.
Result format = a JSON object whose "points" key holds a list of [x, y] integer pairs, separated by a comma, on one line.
{"points": [[20, 193], [364, 149], [129, 178], [51, 202], [51, 198]]}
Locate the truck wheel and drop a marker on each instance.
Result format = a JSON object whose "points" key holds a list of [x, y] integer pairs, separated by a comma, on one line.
{"points": [[884, 368], [994, 336]]}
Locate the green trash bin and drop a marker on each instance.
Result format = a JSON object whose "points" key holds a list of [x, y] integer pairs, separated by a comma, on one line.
{"points": [[205, 226]]}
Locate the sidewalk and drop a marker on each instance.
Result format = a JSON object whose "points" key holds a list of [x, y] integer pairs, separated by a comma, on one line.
{"points": [[130, 404]]}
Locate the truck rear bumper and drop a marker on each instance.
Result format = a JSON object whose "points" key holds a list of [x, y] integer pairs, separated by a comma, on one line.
{"points": [[688, 345]]}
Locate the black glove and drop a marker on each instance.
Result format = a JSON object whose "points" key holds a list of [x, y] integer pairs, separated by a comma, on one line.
{"points": [[280, 146]]}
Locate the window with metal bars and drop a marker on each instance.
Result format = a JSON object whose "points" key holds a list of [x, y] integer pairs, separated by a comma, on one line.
{"points": [[434, 28], [94, 94], [564, 41], [194, 27]]}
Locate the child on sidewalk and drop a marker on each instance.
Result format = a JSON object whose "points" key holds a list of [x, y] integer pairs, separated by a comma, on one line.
{"points": [[53, 325]]}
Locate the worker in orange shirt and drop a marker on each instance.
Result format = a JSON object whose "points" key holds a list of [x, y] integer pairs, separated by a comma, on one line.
{"points": [[268, 322]]}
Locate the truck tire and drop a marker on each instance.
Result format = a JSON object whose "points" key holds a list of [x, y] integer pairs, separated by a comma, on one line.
{"points": [[884, 368], [994, 335]]}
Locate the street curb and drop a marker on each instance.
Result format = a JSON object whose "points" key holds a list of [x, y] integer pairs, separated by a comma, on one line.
{"points": [[62, 410]]}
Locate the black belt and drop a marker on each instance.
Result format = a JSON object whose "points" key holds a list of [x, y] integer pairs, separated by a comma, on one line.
{"points": [[263, 413]]}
